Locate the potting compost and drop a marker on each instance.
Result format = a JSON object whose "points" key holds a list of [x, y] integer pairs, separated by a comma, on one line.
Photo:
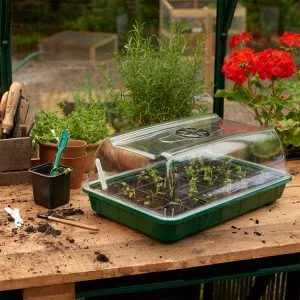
{"points": [[175, 179]]}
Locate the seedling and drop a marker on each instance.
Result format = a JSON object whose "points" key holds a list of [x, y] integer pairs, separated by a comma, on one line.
{"points": [[155, 177], [184, 185], [67, 170], [127, 191], [239, 172], [192, 174]]}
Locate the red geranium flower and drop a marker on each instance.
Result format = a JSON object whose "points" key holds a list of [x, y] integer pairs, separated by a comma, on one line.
{"points": [[238, 39], [274, 63], [291, 39], [239, 65]]}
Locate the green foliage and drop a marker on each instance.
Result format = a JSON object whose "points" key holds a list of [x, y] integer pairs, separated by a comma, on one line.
{"points": [[128, 191], [289, 15], [25, 42], [160, 84], [44, 122], [100, 16], [272, 103], [87, 122]]}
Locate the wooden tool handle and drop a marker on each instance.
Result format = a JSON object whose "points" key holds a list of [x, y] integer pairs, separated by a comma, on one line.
{"points": [[14, 96], [3, 104], [2, 110], [73, 223]]}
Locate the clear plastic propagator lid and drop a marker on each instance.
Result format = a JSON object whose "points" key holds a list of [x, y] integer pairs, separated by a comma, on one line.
{"points": [[173, 168]]}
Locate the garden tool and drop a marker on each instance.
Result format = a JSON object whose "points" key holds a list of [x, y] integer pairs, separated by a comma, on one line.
{"points": [[63, 140], [13, 100], [16, 215], [68, 222], [2, 111]]}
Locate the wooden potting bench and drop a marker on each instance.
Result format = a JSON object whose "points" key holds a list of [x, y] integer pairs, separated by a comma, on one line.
{"points": [[44, 267]]}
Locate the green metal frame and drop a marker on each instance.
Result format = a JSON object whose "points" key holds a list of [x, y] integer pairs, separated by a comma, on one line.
{"points": [[225, 12], [5, 45]]}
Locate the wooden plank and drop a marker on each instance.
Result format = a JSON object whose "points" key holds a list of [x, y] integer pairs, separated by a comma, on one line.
{"points": [[17, 177], [29, 122], [33, 259], [56, 292], [15, 154]]}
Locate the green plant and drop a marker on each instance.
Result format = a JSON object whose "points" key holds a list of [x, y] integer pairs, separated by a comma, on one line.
{"points": [[127, 191], [153, 176], [192, 174], [44, 122], [160, 84], [67, 170], [25, 42], [87, 122], [268, 84]]}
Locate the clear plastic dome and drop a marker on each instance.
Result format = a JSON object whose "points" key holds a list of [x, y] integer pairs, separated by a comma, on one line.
{"points": [[175, 169]]}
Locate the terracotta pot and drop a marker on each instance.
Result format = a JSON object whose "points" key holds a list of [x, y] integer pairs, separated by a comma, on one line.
{"points": [[35, 162], [47, 152], [77, 164], [91, 150], [75, 148]]}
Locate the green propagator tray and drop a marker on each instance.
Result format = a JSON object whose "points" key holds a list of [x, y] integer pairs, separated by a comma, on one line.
{"points": [[251, 186], [175, 179]]}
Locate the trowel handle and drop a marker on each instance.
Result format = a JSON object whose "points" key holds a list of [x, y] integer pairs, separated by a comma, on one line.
{"points": [[2, 110], [63, 140], [3, 104], [73, 223], [14, 96]]}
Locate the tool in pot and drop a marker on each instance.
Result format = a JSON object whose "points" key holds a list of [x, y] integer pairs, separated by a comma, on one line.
{"points": [[67, 222], [13, 100], [2, 110], [63, 140]]}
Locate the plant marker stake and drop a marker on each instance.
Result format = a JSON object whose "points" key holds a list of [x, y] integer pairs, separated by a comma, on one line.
{"points": [[172, 212], [101, 174], [165, 212]]}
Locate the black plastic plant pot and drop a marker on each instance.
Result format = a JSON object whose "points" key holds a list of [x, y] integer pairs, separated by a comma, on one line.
{"points": [[50, 191]]}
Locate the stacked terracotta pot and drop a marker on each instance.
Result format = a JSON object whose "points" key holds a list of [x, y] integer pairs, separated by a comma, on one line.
{"points": [[75, 157], [48, 151]]}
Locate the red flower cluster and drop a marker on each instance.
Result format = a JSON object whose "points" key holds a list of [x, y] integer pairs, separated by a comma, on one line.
{"points": [[240, 39], [239, 65], [291, 39], [274, 63], [268, 64]]}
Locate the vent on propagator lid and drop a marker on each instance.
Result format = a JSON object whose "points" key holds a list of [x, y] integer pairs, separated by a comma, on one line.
{"points": [[192, 132]]}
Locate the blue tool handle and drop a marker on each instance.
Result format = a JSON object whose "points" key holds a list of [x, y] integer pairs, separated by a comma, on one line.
{"points": [[61, 147]]}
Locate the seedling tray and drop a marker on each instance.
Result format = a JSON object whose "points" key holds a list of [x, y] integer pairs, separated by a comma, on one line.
{"points": [[133, 199]]}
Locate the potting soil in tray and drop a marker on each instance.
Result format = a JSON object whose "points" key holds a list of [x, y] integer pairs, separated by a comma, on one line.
{"points": [[189, 197]]}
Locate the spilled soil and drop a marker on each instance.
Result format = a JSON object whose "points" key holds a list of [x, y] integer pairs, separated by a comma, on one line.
{"points": [[65, 212], [43, 228], [101, 257]]}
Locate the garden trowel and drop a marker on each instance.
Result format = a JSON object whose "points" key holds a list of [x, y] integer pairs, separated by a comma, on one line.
{"points": [[13, 100], [63, 140], [2, 111]]}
